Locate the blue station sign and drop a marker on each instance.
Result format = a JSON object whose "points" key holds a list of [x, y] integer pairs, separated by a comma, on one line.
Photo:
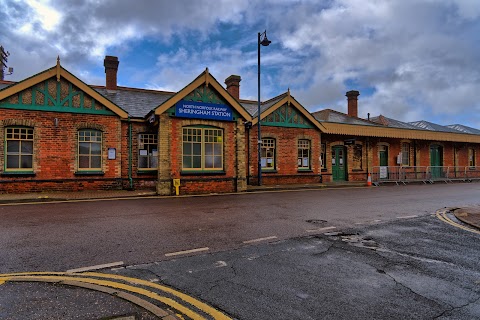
{"points": [[202, 110]]}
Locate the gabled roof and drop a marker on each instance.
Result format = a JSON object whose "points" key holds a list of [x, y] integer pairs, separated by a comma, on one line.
{"points": [[464, 129], [273, 104], [137, 102], [252, 106], [59, 72], [329, 115], [425, 125], [207, 79]]}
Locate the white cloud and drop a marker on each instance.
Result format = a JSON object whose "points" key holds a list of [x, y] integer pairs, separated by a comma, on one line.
{"points": [[418, 57]]}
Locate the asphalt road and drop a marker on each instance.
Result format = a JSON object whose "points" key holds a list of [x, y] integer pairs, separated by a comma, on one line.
{"points": [[416, 268], [365, 253], [63, 236]]}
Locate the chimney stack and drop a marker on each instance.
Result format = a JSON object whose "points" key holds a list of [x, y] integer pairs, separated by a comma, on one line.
{"points": [[352, 97], [111, 68], [233, 86]]}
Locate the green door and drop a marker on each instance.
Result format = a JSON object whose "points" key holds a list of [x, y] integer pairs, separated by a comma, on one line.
{"points": [[383, 161], [338, 163], [436, 161]]}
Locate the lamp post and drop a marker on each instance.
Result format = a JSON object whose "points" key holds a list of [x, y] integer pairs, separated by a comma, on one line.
{"points": [[264, 42]]}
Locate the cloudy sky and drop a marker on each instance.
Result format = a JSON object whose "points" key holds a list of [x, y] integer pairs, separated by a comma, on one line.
{"points": [[410, 59]]}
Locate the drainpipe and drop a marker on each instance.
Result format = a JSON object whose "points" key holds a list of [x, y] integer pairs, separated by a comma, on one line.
{"points": [[130, 156], [248, 154]]}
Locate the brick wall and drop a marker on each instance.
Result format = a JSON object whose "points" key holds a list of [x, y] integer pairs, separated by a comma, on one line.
{"points": [[55, 151], [286, 153], [233, 178], [419, 154]]}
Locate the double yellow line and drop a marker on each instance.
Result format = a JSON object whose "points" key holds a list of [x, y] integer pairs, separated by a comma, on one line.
{"points": [[442, 215], [128, 284]]}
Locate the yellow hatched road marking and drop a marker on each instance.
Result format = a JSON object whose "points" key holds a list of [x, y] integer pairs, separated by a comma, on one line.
{"points": [[78, 277], [442, 215]]}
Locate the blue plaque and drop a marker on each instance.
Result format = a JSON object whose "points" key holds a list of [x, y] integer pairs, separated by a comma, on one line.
{"points": [[202, 110]]}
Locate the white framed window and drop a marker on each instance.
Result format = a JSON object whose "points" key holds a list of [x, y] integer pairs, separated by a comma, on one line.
{"points": [[19, 149], [323, 155], [202, 149], [268, 153], [147, 151], [89, 150], [303, 159], [471, 157], [405, 154]]}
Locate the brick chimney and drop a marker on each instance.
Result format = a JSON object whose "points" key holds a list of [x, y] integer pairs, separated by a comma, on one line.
{"points": [[111, 68], [233, 86], [352, 97]]}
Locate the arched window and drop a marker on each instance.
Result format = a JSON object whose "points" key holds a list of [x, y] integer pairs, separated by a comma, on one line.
{"points": [[19, 149], [89, 150]]}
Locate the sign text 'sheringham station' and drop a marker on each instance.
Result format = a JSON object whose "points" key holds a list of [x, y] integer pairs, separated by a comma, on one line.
{"points": [[193, 109]]}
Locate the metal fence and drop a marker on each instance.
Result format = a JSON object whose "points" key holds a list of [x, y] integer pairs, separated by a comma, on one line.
{"points": [[425, 174]]}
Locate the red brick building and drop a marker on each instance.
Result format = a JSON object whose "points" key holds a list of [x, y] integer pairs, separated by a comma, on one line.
{"points": [[58, 133]]}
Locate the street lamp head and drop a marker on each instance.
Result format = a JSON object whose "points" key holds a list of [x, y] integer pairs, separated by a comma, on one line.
{"points": [[265, 42]]}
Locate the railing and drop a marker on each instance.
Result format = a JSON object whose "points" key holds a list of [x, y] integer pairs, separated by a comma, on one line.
{"points": [[425, 174]]}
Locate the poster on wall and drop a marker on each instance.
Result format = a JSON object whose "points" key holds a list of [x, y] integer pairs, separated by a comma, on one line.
{"points": [[383, 172], [264, 162], [305, 162], [112, 153]]}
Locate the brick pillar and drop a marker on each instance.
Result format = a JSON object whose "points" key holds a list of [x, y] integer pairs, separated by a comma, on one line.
{"points": [[241, 157], [352, 97], [233, 86], [111, 68], [164, 184]]}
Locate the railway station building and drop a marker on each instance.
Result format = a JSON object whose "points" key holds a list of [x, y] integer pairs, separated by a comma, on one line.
{"points": [[61, 134]]}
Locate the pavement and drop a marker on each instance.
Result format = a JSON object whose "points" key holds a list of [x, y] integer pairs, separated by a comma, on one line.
{"points": [[468, 215], [106, 194]]}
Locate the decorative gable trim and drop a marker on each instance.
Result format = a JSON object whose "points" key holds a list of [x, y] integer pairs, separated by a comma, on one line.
{"points": [[52, 101], [286, 116], [207, 80], [289, 101]]}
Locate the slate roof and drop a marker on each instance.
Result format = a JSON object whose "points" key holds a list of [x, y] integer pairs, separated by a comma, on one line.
{"points": [[425, 125], [252, 106], [4, 85], [329, 115], [137, 102], [464, 129], [389, 122]]}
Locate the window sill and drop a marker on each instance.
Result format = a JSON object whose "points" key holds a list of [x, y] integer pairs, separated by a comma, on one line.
{"points": [[358, 170], [89, 173], [324, 170], [269, 171], [147, 172], [18, 173], [304, 170], [472, 168], [203, 173]]}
